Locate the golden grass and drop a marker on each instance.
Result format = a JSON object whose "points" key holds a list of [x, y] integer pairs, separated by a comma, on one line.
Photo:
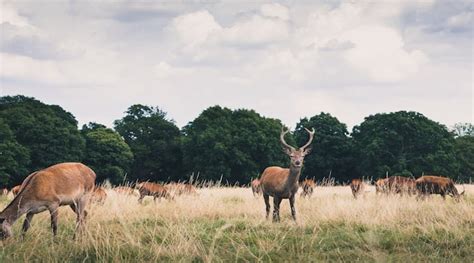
{"points": [[228, 224]]}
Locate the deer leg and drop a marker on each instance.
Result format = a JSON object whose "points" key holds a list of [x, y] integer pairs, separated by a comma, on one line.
{"points": [[276, 209], [26, 223], [140, 199], [292, 206], [266, 198], [53, 210], [81, 215]]}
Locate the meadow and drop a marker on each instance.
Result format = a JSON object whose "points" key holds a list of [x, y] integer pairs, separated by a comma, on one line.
{"points": [[227, 224]]}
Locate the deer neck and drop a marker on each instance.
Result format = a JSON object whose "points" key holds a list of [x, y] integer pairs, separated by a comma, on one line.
{"points": [[14, 210], [294, 175]]}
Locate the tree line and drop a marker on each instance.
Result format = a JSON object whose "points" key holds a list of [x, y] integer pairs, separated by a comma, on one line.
{"points": [[229, 145]]}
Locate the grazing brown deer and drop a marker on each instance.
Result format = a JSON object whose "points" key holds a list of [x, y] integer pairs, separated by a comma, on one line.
{"points": [[282, 183], [401, 185], [256, 188], [125, 190], [428, 184], [15, 190], [99, 195], [152, 189], [61, 184], [177, 189], [357, 187], [308, 187], [381, 186]]}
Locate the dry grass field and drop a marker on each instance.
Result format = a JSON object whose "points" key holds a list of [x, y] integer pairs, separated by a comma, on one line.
{"points": [[228, 224]]}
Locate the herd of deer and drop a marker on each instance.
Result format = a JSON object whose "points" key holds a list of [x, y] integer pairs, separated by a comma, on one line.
{"points": [[422, 187], [73, 184]]}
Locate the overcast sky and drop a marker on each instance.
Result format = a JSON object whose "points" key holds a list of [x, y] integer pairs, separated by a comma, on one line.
{"points": [[286, 60]]}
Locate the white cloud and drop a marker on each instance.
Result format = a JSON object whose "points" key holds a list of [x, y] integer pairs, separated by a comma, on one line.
{"points": [[379, 52], [462, 20], [195, 28], [256, 30], [275, 10], [25, 68], [10, 15], [350, 59]]}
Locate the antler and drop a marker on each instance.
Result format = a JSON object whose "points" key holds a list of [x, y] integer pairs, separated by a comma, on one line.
{"points": [[311, 135], [282, 139]]}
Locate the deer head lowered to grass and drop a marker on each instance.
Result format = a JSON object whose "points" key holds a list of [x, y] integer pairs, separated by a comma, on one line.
{"points": [[61, 184], [282, 183]]}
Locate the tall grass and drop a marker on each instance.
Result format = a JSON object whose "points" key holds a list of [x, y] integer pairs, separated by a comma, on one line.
{"points": [[228, 224]]}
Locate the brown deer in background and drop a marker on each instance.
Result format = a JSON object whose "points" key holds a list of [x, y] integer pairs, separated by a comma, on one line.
{"points": [[61, 184], [152, 189], [381, 186], [307, 187], [357, 187], [256, 188], [429, 184], [282, 183], [15, 190]]}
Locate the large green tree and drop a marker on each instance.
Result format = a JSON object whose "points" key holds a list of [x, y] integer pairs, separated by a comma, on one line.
{"points": [[155, 143], [106, 153], [48, 132], [404, 143], [331, 148], [232, 145], [14, 158], [465, 157]]}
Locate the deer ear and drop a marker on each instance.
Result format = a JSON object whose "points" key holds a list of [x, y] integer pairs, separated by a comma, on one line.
{"points": [[307, 151], [286, 150]]}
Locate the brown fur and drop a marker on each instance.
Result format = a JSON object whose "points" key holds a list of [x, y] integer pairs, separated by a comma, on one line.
{"points": [[357, 187], [256, 188], [61, 184], [381, 186], [124, 190], [152, 189], [308, 187], [428, 184], [282, 183], [401, 185], [99, 195], [177, 189], [16, 190]]}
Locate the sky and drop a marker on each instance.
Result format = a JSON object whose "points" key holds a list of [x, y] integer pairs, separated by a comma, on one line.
{"points": [[284, 59]]}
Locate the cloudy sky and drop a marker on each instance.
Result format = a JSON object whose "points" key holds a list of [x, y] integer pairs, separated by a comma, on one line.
{"points": [[286, 59]]}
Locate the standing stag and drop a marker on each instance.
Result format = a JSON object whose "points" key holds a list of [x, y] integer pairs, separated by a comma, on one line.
{"points": [[282, 183], [61, 184]]}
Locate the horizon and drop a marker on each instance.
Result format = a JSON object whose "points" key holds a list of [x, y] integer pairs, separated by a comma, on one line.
{"points": [[284, 60]]}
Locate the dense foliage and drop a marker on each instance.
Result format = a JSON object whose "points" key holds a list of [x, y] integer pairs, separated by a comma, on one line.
{"points": [[14, 158], [47, 132], [332, 151], [155, 142], [405, 143], [232, 145], [106, 153]]}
